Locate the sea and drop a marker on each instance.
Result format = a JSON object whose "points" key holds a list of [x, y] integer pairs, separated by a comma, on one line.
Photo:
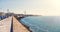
{"points": [[42, 23]]}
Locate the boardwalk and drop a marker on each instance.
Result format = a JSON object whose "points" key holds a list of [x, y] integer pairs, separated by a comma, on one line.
{"points": [[11, 24]]}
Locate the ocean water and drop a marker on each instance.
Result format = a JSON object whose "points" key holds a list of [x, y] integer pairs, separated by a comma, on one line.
{"points": [[42, 23]]}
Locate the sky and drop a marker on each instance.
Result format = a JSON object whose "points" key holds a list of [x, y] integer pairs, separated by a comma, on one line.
{"points": [[38, 7]]}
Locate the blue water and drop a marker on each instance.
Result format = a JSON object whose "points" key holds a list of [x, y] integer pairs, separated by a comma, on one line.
{"points": [[43, 23]]}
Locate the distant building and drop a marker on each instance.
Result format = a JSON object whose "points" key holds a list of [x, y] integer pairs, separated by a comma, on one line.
{"points": [[2, 13], [9, 14]]}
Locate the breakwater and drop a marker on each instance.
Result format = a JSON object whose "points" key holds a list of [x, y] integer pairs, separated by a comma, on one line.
{"points": [[19, 18], [11, 24]]}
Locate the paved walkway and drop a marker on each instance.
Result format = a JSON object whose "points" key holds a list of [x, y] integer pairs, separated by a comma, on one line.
{"points": [[18, 27], [5, 25]]}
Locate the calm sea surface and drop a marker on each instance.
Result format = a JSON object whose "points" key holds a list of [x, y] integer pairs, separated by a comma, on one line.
{"points": [[43, 23]]}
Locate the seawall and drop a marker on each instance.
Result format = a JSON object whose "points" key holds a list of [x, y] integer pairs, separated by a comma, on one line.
{"points": [[11, 24], [19, 19]]}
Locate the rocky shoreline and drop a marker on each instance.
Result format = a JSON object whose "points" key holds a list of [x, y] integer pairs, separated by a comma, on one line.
{"points": [[24, 24]]}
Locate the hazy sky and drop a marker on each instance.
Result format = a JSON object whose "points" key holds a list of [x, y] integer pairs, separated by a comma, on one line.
{"points": [[40, 7]]}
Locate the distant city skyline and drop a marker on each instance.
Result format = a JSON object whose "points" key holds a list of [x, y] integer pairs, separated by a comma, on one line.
{"points": [[39, 7]]}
